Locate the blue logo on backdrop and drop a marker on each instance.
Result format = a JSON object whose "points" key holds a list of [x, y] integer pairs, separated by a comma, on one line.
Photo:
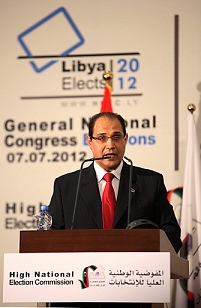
{"points": [[56, 32]]}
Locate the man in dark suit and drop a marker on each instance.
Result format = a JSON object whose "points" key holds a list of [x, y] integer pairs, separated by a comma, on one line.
{"points": [[107, 136]]}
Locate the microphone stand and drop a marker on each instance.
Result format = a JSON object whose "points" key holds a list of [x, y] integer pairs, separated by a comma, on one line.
{"points": [[139, 223], [78, 183], [129, 189]]}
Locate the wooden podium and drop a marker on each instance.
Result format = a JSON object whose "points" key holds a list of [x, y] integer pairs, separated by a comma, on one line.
{"points": [[116, 240]]}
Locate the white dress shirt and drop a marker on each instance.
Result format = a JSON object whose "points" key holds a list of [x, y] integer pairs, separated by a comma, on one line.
{"points": [[100, 172]]}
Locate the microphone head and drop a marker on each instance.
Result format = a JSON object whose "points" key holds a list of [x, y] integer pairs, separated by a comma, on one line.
{"points": [[106, 156], [103, 157]]}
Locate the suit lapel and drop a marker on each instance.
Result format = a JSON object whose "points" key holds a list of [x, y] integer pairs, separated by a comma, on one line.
{"points": [[122, 199], [90, 193]]}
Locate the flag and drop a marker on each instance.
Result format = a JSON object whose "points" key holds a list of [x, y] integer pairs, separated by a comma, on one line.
{"points": [[188, 292], [106, 102]]}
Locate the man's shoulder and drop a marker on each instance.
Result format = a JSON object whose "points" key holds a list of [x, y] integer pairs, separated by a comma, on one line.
{"points": [[68, 174], [145, 172], [73, 174]]}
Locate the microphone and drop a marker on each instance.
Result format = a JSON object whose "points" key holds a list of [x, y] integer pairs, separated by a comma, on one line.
{"points": [[139, 223], [79, 179], [129, 189]]}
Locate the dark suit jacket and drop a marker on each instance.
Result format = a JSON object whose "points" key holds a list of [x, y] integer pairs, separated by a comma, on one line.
{"points": [[148, 201]]}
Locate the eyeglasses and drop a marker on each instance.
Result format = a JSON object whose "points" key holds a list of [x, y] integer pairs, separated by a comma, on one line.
{"points": [[103, 139]]}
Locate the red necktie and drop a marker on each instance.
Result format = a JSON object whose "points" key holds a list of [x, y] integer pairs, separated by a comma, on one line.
{"points": [[108, 202]]}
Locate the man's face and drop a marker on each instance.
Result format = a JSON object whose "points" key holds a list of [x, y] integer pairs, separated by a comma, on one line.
{"points": [[108, 127]]}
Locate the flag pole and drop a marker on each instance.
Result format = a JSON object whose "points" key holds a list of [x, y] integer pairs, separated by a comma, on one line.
{"points": [[191, 108], [108, 76], [188, 293], [106, 105]]}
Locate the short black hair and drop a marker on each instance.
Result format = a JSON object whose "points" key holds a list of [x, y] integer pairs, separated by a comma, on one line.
{"points": [[110, 115]]}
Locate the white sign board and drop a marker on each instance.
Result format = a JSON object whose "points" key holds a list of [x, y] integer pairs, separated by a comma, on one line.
{"points": [[87, 277]]}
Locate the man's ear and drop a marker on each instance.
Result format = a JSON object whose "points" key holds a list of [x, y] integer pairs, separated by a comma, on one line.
{"points": [[88, 140], [126, 137]]}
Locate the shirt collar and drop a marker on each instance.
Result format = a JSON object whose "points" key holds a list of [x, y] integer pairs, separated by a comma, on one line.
{"points": [[100, 172]]}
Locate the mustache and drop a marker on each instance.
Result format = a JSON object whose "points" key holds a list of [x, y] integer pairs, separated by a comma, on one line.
{"points": [[110, 154]]}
